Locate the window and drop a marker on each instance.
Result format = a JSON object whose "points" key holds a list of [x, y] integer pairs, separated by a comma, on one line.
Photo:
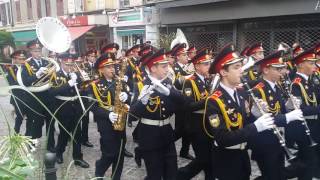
{"points": [[60, 8], [29, 9], [18, 11], [39, 9], [48, 8], [3, 15]]}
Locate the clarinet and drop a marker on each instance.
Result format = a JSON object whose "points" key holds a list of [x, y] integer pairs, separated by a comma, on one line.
{"points": [[275, 130], [296, 106]]}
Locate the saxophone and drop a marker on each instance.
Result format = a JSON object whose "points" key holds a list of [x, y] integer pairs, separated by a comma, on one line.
{"points": [[119, 107]]}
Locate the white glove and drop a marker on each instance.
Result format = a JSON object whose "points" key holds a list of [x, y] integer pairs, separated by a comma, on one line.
{"points": [[290, 106], [294, 115], [41, 71], [161, 88], [256, 111], [73, 79], [264, 122], [123, 97], [125, 78], [146, 91], [73, 76], [113, 117]]}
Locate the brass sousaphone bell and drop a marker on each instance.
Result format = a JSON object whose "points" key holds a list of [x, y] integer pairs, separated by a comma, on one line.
{"points": [[54, 36]]}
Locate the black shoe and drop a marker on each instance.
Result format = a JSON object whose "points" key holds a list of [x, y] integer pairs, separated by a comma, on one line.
{"points": [[88, 144], [59, 159], [137, 157], [127, 153], [138, 161], [81, 163], [187, 156]]}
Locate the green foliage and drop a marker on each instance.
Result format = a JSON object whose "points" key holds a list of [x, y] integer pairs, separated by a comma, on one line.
{"points": [[18, 170], [6, 39], [166, 39]]}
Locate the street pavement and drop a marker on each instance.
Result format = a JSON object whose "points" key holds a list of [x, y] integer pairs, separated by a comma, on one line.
{"points": [[130, 170]]}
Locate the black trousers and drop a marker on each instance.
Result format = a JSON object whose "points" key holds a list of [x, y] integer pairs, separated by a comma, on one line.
{"points": [[20, 110], [271, 164], [84, 128], [185, 144], [69, 123], [161, 163], [111, 155], [202, 149]]}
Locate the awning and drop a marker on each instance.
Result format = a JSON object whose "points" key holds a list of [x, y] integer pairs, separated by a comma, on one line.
{"points": [[22, 37], [179, 3], [129, 32], [76, 32]]}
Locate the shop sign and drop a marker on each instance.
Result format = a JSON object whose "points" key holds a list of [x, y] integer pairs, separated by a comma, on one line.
{"points": [[77, 21]]}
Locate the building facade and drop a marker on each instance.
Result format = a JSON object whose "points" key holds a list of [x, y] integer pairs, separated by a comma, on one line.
{"points": [[215, 23]]}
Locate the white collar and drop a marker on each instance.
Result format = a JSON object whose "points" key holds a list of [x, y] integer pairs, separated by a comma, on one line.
{"points": [[304, 76], [229, 90], [200, 76], [38, 61], [272, 84], [180, 64]]}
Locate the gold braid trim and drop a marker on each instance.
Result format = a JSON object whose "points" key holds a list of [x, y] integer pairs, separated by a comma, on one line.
{"points": [[251, 75], [96, 93], [156, 101], [276, 107], [229, 123], [30, 72], [195, 88], [306, 97], [204, 120], [12, 74], [140, 86]]}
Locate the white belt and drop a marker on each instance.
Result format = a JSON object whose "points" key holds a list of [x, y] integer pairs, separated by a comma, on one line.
{"points": [[201, 111], [152, 122], [67, 98], [238, 146], [311, 117]]}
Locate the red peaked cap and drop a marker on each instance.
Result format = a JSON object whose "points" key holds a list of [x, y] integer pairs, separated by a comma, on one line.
{"points": [[274, 60], [308, 55], [226, 56]]}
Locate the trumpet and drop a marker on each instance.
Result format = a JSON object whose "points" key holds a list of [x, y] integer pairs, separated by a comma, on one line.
{"points": [[276, 131], [84, 75]]}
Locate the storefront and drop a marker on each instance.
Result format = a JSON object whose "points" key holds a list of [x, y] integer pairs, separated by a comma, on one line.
{"points": [[134, 26], [243, 22], [22, 37], [88, 32]]}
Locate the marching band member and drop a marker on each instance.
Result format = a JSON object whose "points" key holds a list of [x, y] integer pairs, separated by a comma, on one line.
{"points": [[63, 89], [112, 142], [156, 104], [35, 68], [254, 53], [18, 58], [180, 53], [134, 73], [228, 114], [304, 89], [91, 57], [197, 88], [271, 160]]}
